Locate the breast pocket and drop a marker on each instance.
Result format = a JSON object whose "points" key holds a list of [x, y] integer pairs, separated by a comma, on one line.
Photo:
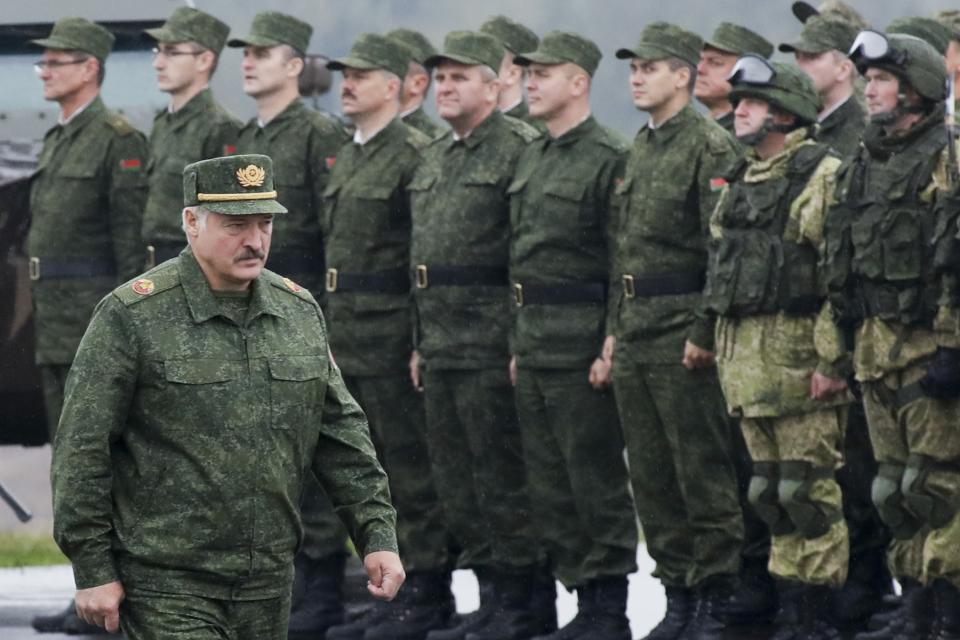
{"points": [[563, 202], [297, 385], [77, 183], [204, 392]]}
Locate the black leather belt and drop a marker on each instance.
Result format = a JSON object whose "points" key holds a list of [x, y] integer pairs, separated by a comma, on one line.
{"points": [[287, 263], [48, 268], [673, 283], [162, 251], [395, 281], [466, 276], [561, 293]]}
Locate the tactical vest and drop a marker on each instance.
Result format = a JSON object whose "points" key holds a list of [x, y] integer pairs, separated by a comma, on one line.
{"points": [[880, 237], [752, 269]]}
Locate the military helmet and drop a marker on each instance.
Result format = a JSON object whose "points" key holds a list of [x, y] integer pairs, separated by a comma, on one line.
{"points": [[782, 85], [911, 59]]}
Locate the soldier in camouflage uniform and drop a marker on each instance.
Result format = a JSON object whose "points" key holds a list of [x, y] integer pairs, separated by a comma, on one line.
{"points": [[459, 251], [678, 438], [202, 396], [951, 20], [561, 216], [781, 359], [193, 127], [302, 143], [86, 202], [366, 228], [516, 39], [891, 265], [416, 82]]}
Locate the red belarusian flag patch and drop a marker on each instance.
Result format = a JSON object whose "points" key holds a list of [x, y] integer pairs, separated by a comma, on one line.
{"points": [[130, 164], [332, 160], [229, 149], [717, 184]]}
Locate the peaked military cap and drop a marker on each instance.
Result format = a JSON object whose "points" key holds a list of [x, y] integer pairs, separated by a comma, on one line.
{"points": [[186, 24], [733, 38], [926, 29], [272, 28], [661, 40], [471, 48], [373, 51], [420, 48], [558, 47], [950, 18], [78, 34], [821, 34], [232, 185], [514, 36]]}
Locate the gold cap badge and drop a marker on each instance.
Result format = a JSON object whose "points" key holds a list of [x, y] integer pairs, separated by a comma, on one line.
{"points": [[251, 176], [143, 286]]}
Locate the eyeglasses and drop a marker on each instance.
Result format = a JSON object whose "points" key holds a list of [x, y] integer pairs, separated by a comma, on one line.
{"points": [[173, 53], [871, 46], [751, 69], [42, 65]]}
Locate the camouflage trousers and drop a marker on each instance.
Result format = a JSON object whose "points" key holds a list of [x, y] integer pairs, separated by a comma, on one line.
{"points": [[681, 468], [573, 447], [53, 380], [146, 615], [814, 438], [475, 452], [917, 443]]}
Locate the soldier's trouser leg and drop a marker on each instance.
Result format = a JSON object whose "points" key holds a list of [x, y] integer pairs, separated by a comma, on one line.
{"points": [[398, 426], [474, 444], [146, 615], [578, 480], [917, 491], [681, 469], [53, 379], [756, 533], [794, 461]]}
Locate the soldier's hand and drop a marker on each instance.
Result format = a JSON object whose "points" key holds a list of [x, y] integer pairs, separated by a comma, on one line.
{"points": [[385, 572], [823, 387], [696, 358], [513, 370], [601, 373], [101, 605], [415, 371], [609, 344]]}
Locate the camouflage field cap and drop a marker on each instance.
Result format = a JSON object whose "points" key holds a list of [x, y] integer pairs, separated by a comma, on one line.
{"points": [[733, 38], [821, 34], [373, 51], [470, 47], [272, 28], [514, 36], [558, 47], [661, 40], [950, 18], [78, 34], [233, 185], [928, 29], [420, 48], [186, 24]]}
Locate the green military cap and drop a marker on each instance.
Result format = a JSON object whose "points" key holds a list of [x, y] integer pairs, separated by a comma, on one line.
{"points": [[272, 28], [373, 51], [186, 24], [951, 20], [469, 47], [558, 47], [732, 38], [661, 40], [514, 36], [926, 29], [79, 34], [233, 185], [821, 34], [420, 48]]}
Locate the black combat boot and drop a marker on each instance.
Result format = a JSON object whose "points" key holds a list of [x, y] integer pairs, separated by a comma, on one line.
{"points": [[477, 619], [786, 624], [543, 601], [891, 615], [423, 605], [582, 622], [513, 618], [66, 621], [680, 606], [814, 610], [946, 599], [353, 628], [319, 602], [712, 598], [919, 608], [755, 601], [609, 609], [861, 597]]}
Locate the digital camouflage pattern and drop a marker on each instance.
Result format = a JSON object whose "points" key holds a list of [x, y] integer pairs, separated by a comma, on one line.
{"points": [[419, 120], [514, 36], [187, 438], [187, 24], [842, 129], [272, 28], [79, 34]]}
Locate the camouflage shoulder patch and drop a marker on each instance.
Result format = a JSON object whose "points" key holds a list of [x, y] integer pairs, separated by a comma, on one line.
{"points": [[289, 286], [526, 131], [120, 124], [147, 285], [416, 138]]}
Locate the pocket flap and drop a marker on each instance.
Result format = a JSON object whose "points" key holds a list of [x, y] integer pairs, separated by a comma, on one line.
{"points": [[566, 190], [297, 368], [205, 371], [517, 185], [422, 182], [375, 192]]}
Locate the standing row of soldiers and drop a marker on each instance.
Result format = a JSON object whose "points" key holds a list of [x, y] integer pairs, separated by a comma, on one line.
{"points": [[572, 296]]}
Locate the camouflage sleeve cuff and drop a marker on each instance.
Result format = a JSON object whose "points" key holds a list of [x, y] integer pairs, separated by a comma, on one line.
{"points": [[379, 537], [947, 327], [93, 571], [702, 333]]}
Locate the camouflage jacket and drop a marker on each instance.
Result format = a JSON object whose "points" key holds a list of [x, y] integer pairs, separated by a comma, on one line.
{"points": [[843, 129], [86, 207], [561, 210], [367, 232], [461, 219], [199, 130], [521, 111], [186, 439], [667, 196], [422, 122]]}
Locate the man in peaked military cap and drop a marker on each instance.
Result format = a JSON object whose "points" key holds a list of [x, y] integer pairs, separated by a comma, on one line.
{"points": [[951, 19], [302, 143], [366, 228], [662, 340], [927, 29], [202, 396], [416, 83], [516, 39], [86, 202], [728, 42], [193, 127], [561, 223]]}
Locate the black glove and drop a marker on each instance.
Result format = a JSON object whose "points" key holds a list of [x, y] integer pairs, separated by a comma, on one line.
{"points": [[943, 374]]}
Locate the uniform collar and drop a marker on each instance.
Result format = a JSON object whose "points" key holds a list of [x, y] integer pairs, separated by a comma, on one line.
{"points": [[759, 170], [202, 101], [203, 304], [666, 131], [577, 133], [477, 135], [840, 113], [279, 121], [393, 130], [84, 115]]}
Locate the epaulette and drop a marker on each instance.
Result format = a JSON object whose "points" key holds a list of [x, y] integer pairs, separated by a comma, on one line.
{"points": [[161, 278], [119, 124], [612, 140], [440, 138], [416, 138], [719, 142], [289, 286], [526, 131]]}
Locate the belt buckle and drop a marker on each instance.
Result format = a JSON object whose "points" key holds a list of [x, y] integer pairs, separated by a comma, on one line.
{"points": [[332, 280], [34, 268], [518, 293], [422, 281], [151, 256], [629, 290]]}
